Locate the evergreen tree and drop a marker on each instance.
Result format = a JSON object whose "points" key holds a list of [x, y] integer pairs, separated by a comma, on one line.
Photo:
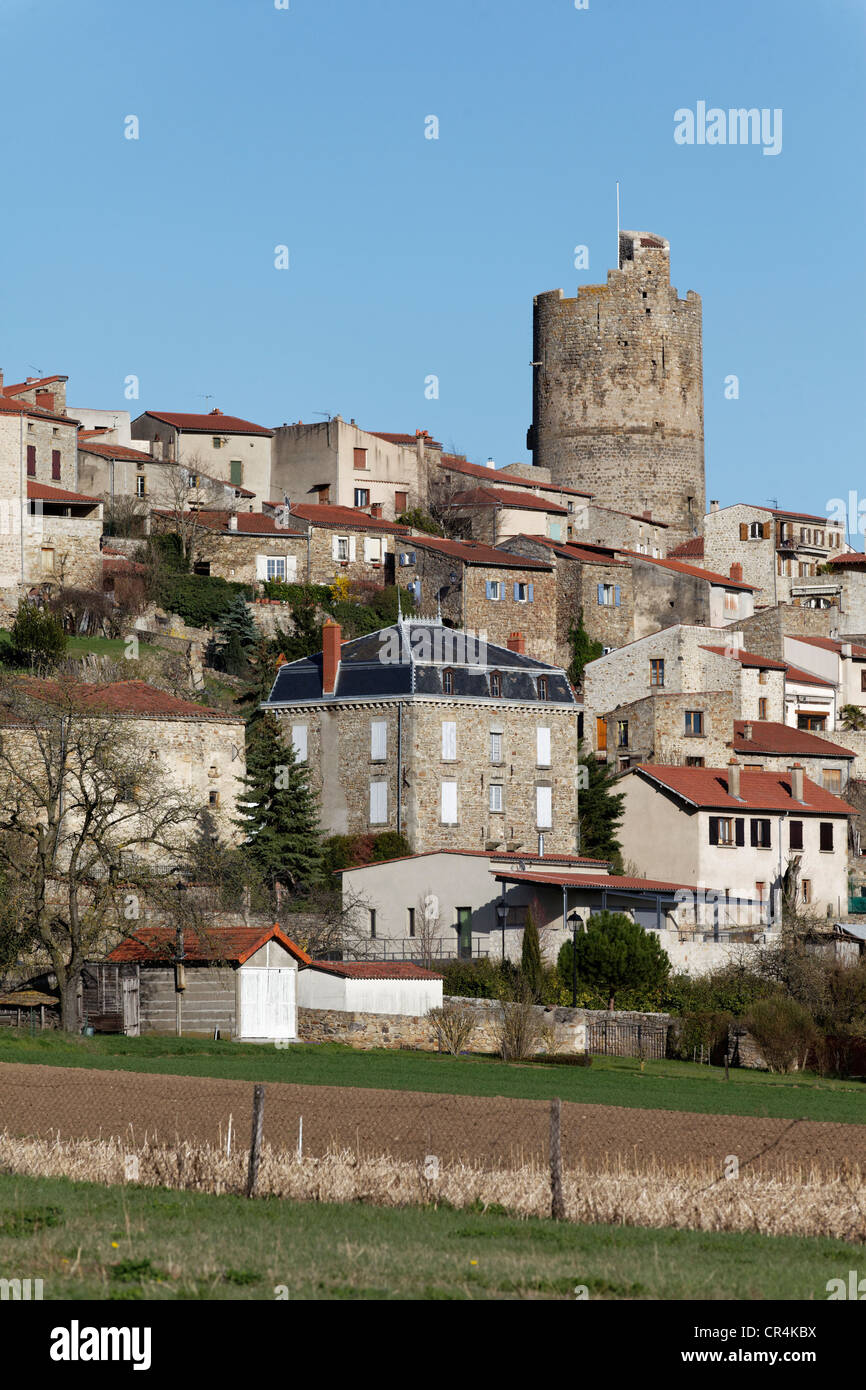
{"points": [[583, 649], [616, 954], [237, 635], [531, 969], [280, 818], [37, 639], [599, 810]]}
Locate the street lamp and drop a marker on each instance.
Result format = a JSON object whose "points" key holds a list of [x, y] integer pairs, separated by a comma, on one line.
{"points": [[574, 921], [502, 914]]}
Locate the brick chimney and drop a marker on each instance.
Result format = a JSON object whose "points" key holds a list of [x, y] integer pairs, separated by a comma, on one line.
{"points": [[517, 643], [747, 731], [734, 779], [797, 788], [376, 509], [331, 642], [737, 571]]}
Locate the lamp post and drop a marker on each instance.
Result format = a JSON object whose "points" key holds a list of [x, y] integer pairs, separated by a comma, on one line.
{"points": [[502, 914], [574, 921]]}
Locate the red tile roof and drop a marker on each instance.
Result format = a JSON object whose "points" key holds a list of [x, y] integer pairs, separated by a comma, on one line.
{"points": [[8, 406], [452, 464], [130, 698], [476, 553], [249, 523], [798, 677], [19, 387], [851, 557], [616, 882], [115, 563], [682, 567], [490, 496], [112, 451], [832, 644], [233, 944], [429, 442], [763, 663], [692, 549], [589, 554], [213, 423], [323, 514], [374, 969], [707, 788], [768, 736], [41, 492]]}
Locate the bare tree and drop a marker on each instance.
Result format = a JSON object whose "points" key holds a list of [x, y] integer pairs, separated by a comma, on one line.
{"points": [[125, 515], [187, 492], [428, 921], [85, 814]]}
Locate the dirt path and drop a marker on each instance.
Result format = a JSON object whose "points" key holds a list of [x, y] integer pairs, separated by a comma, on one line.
{"points": [[82, 1103]]}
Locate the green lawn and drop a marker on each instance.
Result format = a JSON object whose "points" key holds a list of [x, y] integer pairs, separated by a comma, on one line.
{"points": [[106, 646], [610, 1080], [91, 1242]]}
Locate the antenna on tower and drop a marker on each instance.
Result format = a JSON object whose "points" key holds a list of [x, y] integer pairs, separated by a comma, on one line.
{"points": [[618, 266]]}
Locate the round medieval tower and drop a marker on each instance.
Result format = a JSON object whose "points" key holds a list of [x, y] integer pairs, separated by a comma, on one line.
{"points": [[618, 405]]}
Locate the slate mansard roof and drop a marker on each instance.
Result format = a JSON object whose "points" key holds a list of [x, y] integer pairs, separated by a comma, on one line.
{"points": [[409, 659]]}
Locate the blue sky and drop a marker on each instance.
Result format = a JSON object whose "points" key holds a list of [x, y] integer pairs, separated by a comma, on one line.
{"points": [[411, 257]]}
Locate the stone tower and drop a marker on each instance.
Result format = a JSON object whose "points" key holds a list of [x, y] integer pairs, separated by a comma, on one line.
{"points": [[618, 407]]}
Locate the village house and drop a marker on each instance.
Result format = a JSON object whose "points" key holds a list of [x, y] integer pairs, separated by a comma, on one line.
{"points": [[681, 660], [117, 471], [669, 591], [840, 587], [47, 393], [507, 597], [37, 445], [840, 663], [428, 731], [338, 463], [775, 548], [465, 904], [218, 446], [739, 830]]}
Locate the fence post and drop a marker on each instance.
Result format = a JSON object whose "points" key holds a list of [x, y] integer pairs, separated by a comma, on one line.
{"points": [[256, 1138], [557, 1201]]}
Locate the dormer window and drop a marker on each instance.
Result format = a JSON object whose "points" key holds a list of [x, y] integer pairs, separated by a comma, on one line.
{"points": [[447, 682], [495, 684], [543, 688]]}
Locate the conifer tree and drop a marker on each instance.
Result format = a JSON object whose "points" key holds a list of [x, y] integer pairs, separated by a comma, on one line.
{"points": [[530, 959], [237, 635], [599, 810], [279, 815]]}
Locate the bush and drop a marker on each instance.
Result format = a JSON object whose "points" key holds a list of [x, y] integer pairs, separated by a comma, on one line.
{"points": [[615, 954], [350, 851], [703, 1031], [474, 979], [784, 1031], [520, 1031], [454, 1024], [37, 640], [201, 600]]}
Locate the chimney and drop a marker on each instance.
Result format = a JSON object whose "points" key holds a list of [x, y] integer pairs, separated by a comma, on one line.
{"points": [[734, 779], [331, 641], [747, 732], [491, 463], [714, 506], [216, 411], [1, 378], [233, 521], [517, 643], [647, 516], [376, 509], [846, 649], [737, 571], [796, 781]]}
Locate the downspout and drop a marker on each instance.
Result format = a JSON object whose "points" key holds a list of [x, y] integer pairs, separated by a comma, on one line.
{"points": [[23, 489], [399, 768]]}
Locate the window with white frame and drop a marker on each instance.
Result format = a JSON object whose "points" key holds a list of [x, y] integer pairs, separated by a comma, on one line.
{"points": [[448, 803], [542, 746], [449, 740], [523, 593], [544, 807], [496, 748], [495, 590], [373, 550], [378, 740], [496, 796], [341, 547], [276, 567], [299, 742], [407, 557], [378, 803]]}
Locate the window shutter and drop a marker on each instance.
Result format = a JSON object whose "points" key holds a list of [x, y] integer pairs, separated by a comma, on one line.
{"points": [[739, 831], [796, 837], [601, 593], [449, 740], [753, 829], [767, 530], [299, 741], [378, 739], [378, 803], [403, 557], [291, 567], [744, 531], [530, 593], [449, 803], [714, 830], [617, 596], [491, 588], [368, 549], [261, 567], [516, 592], [544, 807], [335, 547], [412, 558], [826, 835], [352, 547], [542, 743]]}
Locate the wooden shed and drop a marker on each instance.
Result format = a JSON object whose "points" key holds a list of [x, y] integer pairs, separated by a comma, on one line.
{"points": [[240, 980], [23, 1008]]}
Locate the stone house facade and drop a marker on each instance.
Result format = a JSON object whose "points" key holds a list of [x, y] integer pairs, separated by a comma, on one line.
{"points": [[775, 548], [224, 447], [425, 730], [691, 729], [337, 463], [507, 597], [37, 446], [669, 591]]}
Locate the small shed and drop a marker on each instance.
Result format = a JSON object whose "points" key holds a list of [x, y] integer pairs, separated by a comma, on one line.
{"points": [[240, 980], [28, 1008], [369, 987]]}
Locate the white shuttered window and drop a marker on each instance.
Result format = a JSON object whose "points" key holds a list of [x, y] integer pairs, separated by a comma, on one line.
{"points": [[449, 803], [299, 741], [449, 740], [378, 740], [378, 803], [544, 807], [542, 739]]}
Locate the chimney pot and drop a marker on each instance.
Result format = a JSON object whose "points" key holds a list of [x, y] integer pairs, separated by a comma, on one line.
{"points": [[847, 649], [734, 779], [517, 643], [747, 731], [797, 784], [331, 642], [737, 570], [714, 506], [376, 509]]}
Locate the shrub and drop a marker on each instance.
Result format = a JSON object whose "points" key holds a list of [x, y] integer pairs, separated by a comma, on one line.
{"points": [[454, 1024], [473, 979], [520, 1029], [201, 600], [616, 954], [784, 1031], [37, 639], [531, 969], [703, 1031]]}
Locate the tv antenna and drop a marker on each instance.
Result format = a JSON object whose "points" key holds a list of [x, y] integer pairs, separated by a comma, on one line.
{"points": [[618, 266]]}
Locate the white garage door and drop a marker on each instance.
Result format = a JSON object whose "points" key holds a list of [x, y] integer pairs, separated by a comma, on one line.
{"points": [[267, 1003]]}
